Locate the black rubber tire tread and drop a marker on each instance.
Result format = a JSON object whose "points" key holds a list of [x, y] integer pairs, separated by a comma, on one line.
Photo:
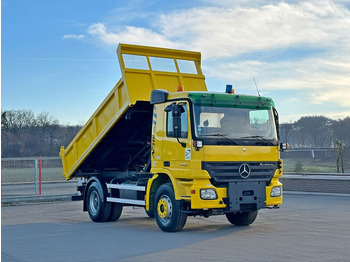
{"points": [[242, 218], [116, 212], [105, 208], [178, 219], [150, 213]]}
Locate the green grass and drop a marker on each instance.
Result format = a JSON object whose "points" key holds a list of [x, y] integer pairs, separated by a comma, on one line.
{"points": [[310, 166], [10, 175]]}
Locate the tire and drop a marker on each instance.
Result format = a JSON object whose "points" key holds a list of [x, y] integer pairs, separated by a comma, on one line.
{"points": [[150, 213], [116, 212], [98, 209], [167, 210], [242, 218]]}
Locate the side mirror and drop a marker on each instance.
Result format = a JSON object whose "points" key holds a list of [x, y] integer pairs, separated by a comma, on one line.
{"points": [[177, 110], [277, 122], [170, 107]]}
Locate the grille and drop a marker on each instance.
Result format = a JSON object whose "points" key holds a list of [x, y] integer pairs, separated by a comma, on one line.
{"points": [[226, 172]]}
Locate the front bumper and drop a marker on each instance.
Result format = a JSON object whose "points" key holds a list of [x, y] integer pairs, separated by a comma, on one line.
{"points": [[238, 197]]}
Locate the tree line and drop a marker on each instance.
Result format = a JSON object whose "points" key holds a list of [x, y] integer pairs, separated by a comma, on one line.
{"points": [[316, 132], [24, 134]]}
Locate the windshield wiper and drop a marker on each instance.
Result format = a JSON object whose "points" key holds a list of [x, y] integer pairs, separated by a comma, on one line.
{"points": [[261, 137], [222, 136]]}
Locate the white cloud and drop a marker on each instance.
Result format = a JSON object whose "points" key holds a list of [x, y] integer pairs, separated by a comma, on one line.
{"points": [[73, 36], [322, 80], [288, 118], [338, 115], [231, 30], [226, 31], [129, 34]]}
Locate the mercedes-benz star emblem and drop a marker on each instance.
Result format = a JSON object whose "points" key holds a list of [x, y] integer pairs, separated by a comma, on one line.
{"points": [[244, 171]]}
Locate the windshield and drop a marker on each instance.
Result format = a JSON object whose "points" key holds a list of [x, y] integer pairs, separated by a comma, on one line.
{"points": [[239, 126]]}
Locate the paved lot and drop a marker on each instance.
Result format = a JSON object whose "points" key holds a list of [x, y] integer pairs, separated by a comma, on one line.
{"points": [[306, 228]]}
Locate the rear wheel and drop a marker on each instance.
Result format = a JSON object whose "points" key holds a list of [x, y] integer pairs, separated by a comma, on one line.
{"points": [[98, 209], [242, 218], [167, 210], [116, 212]]}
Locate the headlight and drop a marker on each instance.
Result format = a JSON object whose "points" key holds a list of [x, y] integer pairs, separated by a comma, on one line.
{"points": [[208, 193], [276, 191]]}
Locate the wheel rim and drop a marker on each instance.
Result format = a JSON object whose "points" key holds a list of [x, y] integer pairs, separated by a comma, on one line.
{"points": [[165, 209], [94, 202]]}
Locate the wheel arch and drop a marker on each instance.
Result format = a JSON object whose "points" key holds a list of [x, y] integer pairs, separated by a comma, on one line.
{"points": [[154, 183]]}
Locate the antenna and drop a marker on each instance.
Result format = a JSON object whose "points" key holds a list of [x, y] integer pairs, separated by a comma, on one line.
{"points": [[256, 86]]}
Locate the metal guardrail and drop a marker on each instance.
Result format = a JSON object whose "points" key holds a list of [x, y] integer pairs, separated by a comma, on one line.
{"points": [[317, 176], [30, 158]]}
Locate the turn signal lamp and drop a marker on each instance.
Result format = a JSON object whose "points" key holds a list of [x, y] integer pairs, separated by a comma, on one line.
{"points": [[284, 146], [180, 88], [197, 144]]}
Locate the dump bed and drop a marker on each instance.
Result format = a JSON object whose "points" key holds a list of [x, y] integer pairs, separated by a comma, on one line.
{"points": [[116, 138]]}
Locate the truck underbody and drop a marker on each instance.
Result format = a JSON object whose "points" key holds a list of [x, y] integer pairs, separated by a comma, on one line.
{"points": [[125, 149]]}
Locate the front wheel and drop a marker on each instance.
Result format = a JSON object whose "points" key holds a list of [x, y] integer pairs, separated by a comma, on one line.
{"points": [[150, 213], [167, 210], [242, 218]]}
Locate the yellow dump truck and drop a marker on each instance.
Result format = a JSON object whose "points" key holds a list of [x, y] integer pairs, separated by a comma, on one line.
{"points": [[162, 141]]}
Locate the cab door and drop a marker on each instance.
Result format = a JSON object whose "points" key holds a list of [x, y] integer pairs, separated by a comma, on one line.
{"points": [[177, 144]]}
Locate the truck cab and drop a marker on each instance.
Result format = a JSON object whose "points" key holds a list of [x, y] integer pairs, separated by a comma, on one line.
{"points": [[220, 151]]}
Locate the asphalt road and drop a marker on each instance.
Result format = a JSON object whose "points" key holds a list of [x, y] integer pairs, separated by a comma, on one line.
{"points": [[305, 228]]}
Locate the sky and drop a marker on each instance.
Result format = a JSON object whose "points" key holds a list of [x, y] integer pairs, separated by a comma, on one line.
{"points": [[60, 56]]}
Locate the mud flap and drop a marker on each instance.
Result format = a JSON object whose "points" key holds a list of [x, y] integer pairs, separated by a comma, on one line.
{"points": [[247, 196]]}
